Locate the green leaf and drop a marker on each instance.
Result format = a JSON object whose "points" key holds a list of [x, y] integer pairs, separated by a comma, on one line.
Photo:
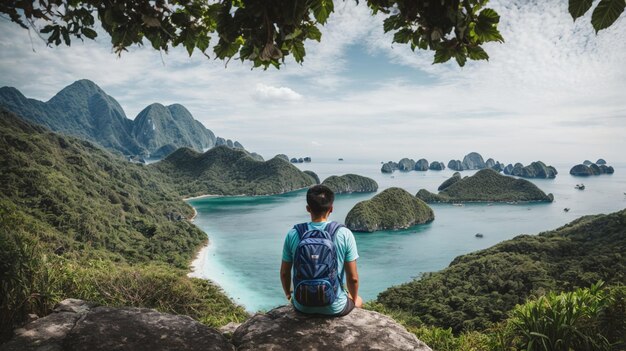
{"points": [[460, 59], [322, 9], [89, 33], [298, 51], [477, 53], [403, 36], [442, 55], [314, 33], [66, 37], [578, 8], [391, 23], [296, 33], [488, 16], [607, 12], [202, 42], [487, 32]]}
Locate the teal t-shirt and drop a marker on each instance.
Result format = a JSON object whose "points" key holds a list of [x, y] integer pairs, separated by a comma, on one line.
{"points": [[346, 252]]}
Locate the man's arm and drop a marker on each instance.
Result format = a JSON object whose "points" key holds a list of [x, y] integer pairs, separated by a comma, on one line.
{"points": [[285, 278], [352, 281]]}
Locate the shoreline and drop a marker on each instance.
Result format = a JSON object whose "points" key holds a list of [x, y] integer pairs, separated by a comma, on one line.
{"points": [[198, 262], [238, 195]]}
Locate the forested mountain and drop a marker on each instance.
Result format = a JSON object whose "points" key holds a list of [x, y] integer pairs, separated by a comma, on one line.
{"points": [[77, 221], [225, 171], [89, 201], [84, 110], [480, 288], [158, 125]]}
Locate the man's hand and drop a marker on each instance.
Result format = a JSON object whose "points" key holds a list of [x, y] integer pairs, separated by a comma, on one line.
{"points": [[352, 281], [285, 278]]}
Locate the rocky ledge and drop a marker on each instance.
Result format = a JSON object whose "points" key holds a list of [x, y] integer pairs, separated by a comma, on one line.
{"points": [[78, 325], [284, 329]]}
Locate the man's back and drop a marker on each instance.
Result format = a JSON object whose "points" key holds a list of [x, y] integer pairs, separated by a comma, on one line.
{"points": [[346, 250]]}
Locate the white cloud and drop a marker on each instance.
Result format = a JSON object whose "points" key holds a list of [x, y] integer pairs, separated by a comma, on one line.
{"points": [[554, 90], [273, 94]]}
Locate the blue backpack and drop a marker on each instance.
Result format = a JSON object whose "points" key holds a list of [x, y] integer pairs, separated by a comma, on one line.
{"points": [[315, 278]]}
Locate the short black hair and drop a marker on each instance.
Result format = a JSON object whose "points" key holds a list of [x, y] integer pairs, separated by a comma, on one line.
{"points": [[320, 199]]}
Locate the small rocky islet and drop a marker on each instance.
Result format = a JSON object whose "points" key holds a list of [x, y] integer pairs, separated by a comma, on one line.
{"points": [[536, 169], [350, 183], [588, 168], [392, 209], [486, 185]]}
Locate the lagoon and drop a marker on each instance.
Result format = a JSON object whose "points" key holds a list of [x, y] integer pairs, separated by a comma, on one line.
{"points": [[246, 233]]}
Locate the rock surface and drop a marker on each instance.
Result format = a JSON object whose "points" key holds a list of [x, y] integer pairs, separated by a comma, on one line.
{"points": [[600, 161], [473, 160], [350, 183], [389, 167], [437, 166], [406, 164], [508, 169], [421, 165], [284, 329], [455, 165], [582, 170], [536, 169], [76, 325]]}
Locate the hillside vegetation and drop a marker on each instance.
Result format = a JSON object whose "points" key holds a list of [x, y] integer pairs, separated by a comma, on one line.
{"points": [[76, 221], [225, 171], [486, 185], [480, 288]]}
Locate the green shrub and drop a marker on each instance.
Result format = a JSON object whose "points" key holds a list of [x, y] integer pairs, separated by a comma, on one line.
{"points": [[583, 319]]}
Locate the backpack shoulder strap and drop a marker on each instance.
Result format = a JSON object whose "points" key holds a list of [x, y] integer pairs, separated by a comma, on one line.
{"points": [[301, 228], [332, 228]]}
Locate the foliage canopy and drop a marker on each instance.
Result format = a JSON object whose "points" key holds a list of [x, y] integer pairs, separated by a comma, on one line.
{"points": [[265, 32]]}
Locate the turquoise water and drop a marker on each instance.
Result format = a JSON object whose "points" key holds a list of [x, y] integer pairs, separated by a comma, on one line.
{"points": [[246, 233]]}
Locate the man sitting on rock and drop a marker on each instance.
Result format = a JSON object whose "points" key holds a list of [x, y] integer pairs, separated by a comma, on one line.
{"points": [[320, 252]]}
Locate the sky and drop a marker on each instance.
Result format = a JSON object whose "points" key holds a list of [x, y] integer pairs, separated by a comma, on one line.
{"points": [[554, 91]]}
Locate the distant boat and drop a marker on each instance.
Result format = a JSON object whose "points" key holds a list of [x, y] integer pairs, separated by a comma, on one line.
{"points": [[566, 209], [459, 205], [341, 159], [479, 235], [580, 186]]}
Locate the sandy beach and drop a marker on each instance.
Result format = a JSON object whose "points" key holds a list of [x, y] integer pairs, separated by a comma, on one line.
{"points": [[198, 262], [200, 197]]}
